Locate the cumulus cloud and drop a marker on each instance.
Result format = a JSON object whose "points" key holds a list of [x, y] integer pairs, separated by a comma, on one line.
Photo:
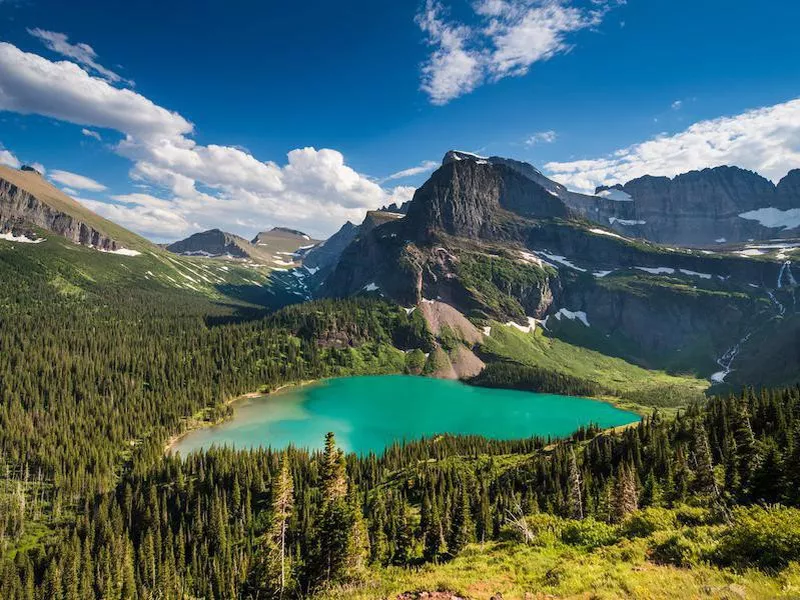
{"points": [[425, 166], [543, 137], [76, 182], [92, 134], [8, 159], [766, 140], [509, 37], [84, 54], [195, 186]]}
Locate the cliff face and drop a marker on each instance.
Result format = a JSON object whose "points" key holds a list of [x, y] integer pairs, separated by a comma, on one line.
{"points": [[327, 253], [20, 209], [495, 239], [701, 208]]}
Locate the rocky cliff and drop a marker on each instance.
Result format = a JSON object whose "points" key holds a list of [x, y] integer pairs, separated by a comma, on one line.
{"points": [[703, 208], [495, 239], [29, 201]]}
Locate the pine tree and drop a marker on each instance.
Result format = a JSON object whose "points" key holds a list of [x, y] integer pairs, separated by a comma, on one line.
{"points": [[434, 544], [462, 530], [574, 484], [705, 481], [625, 495], [271, 568]]}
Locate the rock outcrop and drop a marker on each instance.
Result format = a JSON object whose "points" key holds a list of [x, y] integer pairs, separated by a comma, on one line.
{"points": [[702, 208], [28, 201], [213, 243]]}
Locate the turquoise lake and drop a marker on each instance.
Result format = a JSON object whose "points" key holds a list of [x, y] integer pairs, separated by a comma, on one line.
{"points": [[369, 413]]}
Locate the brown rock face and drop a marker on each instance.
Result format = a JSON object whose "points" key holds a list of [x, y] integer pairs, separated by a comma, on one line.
{"points": [[19, 208]]}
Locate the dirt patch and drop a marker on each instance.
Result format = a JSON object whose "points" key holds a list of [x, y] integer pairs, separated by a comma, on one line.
{"points": [[438, 315], [430, 596], [465, 363]]}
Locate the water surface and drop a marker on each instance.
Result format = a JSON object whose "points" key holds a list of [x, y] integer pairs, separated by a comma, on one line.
{"points": [[369, 413]]}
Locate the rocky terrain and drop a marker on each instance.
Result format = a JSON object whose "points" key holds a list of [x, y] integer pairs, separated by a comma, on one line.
{"points": [[704, 208], [28, 201], [489, 239]]}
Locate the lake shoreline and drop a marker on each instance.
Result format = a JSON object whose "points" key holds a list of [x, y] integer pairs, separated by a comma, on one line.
{"points": [[199, 424]]}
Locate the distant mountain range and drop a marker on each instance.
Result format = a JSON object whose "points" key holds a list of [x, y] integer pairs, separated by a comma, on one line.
{"points": [[493, 240]]}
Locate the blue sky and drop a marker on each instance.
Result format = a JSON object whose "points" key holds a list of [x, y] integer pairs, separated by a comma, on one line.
{"points": [[178, 116]]}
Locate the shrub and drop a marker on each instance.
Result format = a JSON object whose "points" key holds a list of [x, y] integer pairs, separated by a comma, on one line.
{"points": [[644, 523], [767, 538], [589, 533], [675, 549], [692, 516]]}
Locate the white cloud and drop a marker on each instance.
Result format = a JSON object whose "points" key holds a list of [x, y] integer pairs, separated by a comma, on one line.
{"points": [[766, 140], [8, 159], [451, 70], [509, 37], [30, 84], [424, 167], [76, 182], [84, 54], [39, 167], [202, 185], [92, 134], [677, 105], [546, 137]]}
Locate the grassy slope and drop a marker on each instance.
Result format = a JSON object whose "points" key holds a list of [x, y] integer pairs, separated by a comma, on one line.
{"points": [[560, 571], [76, 270], [636, 387]]}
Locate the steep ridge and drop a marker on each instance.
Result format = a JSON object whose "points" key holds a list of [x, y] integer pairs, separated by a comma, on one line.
{"points": [[27, 201], [496, 244], [719, 205]]}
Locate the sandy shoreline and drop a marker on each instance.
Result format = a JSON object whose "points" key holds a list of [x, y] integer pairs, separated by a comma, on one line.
{"points": [[197, 424]]}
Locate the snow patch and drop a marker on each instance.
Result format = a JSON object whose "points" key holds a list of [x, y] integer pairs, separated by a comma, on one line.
{"points": [[750, 252], [371, 287], [530, 327], [562, 260], [626, 222], [608, 233], [487, 331], [573, 315], [121, 251], [774, 217], [696, 274], [601, 274], [615, 195], [22, 239], [720, 240]]}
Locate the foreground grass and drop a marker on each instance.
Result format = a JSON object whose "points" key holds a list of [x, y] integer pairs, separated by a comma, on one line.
{"points": [[560, 571], [627, 385]]}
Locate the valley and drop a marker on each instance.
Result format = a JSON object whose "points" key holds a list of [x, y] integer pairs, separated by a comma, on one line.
{"points": [[476, 350]]}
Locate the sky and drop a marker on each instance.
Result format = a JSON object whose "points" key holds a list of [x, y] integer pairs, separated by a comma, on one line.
{"points": [[175, 117]]}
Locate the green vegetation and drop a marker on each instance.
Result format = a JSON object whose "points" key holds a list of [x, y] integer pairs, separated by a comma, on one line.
{"points": [[500, 284], [538, 362]]}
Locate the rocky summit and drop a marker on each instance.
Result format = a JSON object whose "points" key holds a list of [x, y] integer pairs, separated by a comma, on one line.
{"points": [[496, 240]]}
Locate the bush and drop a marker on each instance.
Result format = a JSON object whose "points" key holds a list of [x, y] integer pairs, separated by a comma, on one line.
{"points": [[692, 516], [589, 533], [644, 523], [767, 538], [675, 549]]}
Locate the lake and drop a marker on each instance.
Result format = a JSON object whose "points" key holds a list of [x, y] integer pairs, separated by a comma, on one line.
{"points": [[369, 413]]}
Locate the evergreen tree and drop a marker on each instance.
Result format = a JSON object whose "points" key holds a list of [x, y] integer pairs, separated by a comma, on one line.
{"points": [[575, 495]]}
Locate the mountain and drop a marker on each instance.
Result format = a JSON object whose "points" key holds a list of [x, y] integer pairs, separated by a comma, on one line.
{"points": [[28, 200], [703, 208], [284, 240], [498, 242], [696, 209]]}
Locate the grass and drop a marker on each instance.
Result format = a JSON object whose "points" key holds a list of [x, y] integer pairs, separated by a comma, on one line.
{"points": [[560, 571], [627, 385]]}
